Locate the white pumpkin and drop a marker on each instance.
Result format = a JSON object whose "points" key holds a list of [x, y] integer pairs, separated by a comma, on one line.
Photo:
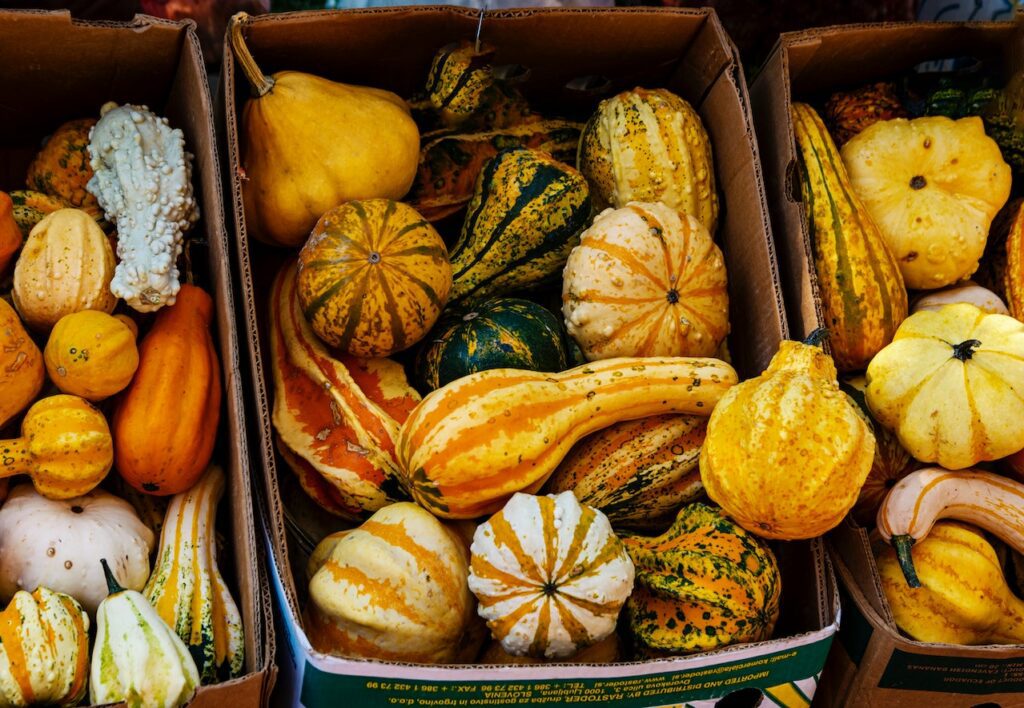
{"points": [[59, 544], [550, 575], [967, 291]]}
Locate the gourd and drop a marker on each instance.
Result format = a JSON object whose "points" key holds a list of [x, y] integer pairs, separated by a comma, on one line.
{"points": [[21, 366], [950, 386], [793, 475], [932, 186], [58, 544], [394, 589], [186, 588], [550, 575], [963, 597], [1013, 275], [31, 207], [137, 658], [296, 162], [44, 650], [91, 354], [703, 584], [605, 651], [863, 297], [337, 419], [911, 509], [166, 422], [650, 145], [65, 447], [65, 266], [62, 168], [456, 467], [646, 280], [638, 472], [131, 147], [10, 234], [373, 277], [502, 333], [984, 299], [525, 216], [847, 113]]}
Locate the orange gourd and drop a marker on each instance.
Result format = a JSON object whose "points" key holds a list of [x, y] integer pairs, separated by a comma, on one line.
{"points": [[21, 365], [10, 234]]}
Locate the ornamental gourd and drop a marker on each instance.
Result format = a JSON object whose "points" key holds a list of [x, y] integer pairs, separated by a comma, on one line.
{"points": [[1013, 275], [638, 472], [393, 589], [951, 385], [649, 145], [91, 354], [788, 476], [373, 277], [605, 651], [186, 588], [10, 235], [703, 584], [166, 422], [457, 468], [65, 447], [646, 280], [62, 167], [65, 266], [984, 299], [297, 163], [550, 575], [932, 185], [21, 365], [44, 650]]}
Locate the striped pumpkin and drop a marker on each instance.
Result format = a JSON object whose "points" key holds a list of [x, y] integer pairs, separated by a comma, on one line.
{"points": [[650, 146], [373, 277], [638, 472], [862, 292], [703, 584], [1013, 275], [44, 650], [503, 333], [525, 216], [458, 468], [186, 587], [646, 280], [550, 575], [394, 589]]}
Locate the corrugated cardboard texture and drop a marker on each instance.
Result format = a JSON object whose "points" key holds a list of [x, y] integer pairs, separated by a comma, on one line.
{"points": [[685, 51], [55, 69]]}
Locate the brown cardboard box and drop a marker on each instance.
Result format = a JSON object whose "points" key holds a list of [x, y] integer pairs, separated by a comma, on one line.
{"points": [[55, 69], [872, 664], [686, 51]]}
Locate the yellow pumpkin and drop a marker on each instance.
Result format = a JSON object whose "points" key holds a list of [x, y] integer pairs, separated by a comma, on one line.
{"points": [[951, 385], [933, 186], [91, 354]]}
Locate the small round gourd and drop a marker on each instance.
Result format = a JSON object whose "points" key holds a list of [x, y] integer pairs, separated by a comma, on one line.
{"points": [[91, 354]]}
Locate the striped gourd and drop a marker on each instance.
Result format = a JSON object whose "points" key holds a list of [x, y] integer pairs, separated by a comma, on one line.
{"points": [[650, 146], [394, 588], [336, 419], [457, 467], [525, 216], [550, 575], [186, 588], [703, 584], [373, 277], [862, 292], [459, 80], [1013, 276], [638, 472], [503, 333], [44, 650], [646, 280]]}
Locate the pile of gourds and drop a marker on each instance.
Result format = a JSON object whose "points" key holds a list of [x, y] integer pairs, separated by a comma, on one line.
{"points": [[86, 400]]}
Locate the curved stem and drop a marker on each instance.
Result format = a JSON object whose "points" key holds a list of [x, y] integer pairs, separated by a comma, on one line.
{"points": [[903, 543], [112, 585], [816, 337], [260, 82]]}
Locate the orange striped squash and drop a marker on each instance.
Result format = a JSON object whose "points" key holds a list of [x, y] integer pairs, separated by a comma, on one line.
{"points": [[457, 467], [550, 575], [373, 277], [394, 589], [646, 280]]}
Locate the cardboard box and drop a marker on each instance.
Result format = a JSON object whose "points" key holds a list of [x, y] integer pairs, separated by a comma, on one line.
{"points": [[685, 51], [872, 664], [55, 69]]}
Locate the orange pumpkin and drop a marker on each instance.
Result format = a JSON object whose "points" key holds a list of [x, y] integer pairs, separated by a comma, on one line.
{"points": [[21, 365], [165, 425], [10, 234]]}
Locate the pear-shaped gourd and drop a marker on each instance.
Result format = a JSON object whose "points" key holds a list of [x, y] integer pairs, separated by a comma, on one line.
{"points": [[309, 144], [786, 453]]}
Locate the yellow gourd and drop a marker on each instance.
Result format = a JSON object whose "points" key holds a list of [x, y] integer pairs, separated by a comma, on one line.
{"points": [[91, 354]]}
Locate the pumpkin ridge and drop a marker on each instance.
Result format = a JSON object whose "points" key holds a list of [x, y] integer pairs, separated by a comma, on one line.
{"points": [[575, 548], [386, 243], [505, 623], [597, 296], [506, 536], [430, 293], [483, 568], [578, 633], [626, 256], [436, 252], [540, 637]]}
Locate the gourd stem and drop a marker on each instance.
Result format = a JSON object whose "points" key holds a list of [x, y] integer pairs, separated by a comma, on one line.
{"points": [[816, 337], [113, 586], [15, 457], [260, 82], [903, 543]]}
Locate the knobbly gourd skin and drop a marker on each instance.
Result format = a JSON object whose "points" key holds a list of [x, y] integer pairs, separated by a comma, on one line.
{"points": [[550, 575], [786, 452], [22, 372], [62, 167]]}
